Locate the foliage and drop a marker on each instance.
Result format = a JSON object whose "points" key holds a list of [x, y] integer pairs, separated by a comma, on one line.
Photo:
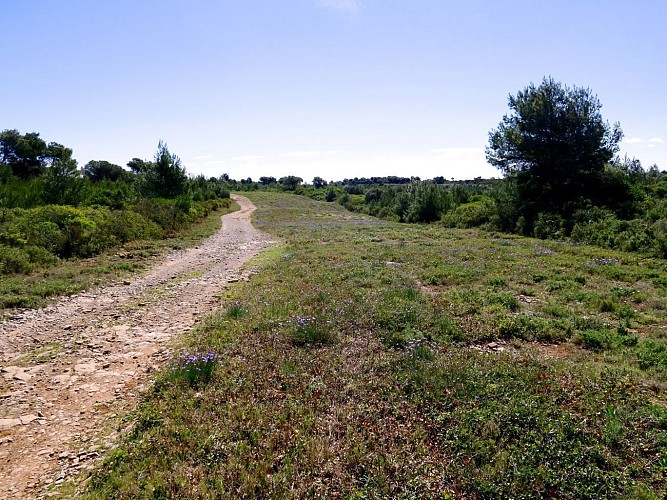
{"points": [[165, 177], [50, 276], [49, 209], [480, 211], [290, 182], [99, 170], [318, 182], [267, 181], [63, 184], [24, 154], [556, 145]]}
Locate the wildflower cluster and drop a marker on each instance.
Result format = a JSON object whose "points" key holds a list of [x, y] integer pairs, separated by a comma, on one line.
{"points": [[605, 262], [193, 368], [543, 251], [304, 321], [236, 310], [310, 330]]}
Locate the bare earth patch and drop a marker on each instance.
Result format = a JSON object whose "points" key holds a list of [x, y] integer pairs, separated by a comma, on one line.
{"points": [[69, 370]]}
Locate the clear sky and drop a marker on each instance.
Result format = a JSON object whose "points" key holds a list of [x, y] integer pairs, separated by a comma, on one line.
{"points": [[333, 88]]}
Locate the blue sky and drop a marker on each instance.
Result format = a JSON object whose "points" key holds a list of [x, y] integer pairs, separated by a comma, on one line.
{"points": [[334, 88]]}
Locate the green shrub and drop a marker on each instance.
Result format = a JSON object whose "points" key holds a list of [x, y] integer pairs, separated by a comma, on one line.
{"points": [[507, 300], [14, 261], [480, 211], [651, 353], [596, 340], [427, 202], [236, 311], [165, 213], [330, 194], [605, 305], [549, 226], [523, 327], [126, 225], [40, 256]]}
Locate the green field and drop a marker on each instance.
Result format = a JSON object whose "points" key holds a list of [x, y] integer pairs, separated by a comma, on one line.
{"points": [[372, 359]]}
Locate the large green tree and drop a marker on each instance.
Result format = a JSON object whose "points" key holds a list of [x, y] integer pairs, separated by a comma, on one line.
{"points": [[554, 146]]}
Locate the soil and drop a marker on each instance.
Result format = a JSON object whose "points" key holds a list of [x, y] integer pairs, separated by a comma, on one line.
{"points": [[68, 372]]}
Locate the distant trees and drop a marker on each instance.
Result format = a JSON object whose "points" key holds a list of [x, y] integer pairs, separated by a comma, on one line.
{"points": [[318, 182], [139, 166], [554, 145], [99, 170], [57, 153], [267, 181], [290, 182], [34, 172], [24, 154]]}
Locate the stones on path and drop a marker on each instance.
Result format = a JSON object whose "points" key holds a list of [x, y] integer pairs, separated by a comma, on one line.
{"points": [[8, 423], [26, 419], [18, 373], [85, 368], [22, 376], [61, 379]]}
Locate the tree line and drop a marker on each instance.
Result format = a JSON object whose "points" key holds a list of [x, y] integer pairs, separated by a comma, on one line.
{"points": [[51, 209]]}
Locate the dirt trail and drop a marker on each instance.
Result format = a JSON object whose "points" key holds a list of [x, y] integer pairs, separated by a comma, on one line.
{"points": [[67, 371]]}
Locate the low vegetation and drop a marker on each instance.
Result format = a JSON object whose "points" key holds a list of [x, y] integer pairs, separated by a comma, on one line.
{"points": [[59, 276], [53, 214], [373, 359]]}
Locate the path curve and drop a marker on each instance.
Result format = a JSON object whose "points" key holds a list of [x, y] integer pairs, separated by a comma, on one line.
{"points": [[69, 370]]}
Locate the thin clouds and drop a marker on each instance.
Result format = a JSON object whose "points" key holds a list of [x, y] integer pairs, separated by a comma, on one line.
{"points": [[342, 5], [307, 154], [653, 142], [303, 154], [248, 158]]}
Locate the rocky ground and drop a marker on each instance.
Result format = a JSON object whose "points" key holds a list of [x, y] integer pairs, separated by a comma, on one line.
{"points": [[68, 371]]}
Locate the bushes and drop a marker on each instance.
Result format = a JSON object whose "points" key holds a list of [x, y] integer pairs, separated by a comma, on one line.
{"points": [[427, 202], [480, 211], [38, 237], [126, 225], [15, 260], [549, 226], [636, 235], [652, 353], [171, 215]]}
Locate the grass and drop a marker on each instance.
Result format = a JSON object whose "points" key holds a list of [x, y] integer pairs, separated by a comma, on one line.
{"points": [[359, 364], [74, 275]]}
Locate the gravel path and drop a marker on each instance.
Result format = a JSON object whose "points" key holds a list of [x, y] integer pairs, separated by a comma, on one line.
{"points": [[68, 371]]}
